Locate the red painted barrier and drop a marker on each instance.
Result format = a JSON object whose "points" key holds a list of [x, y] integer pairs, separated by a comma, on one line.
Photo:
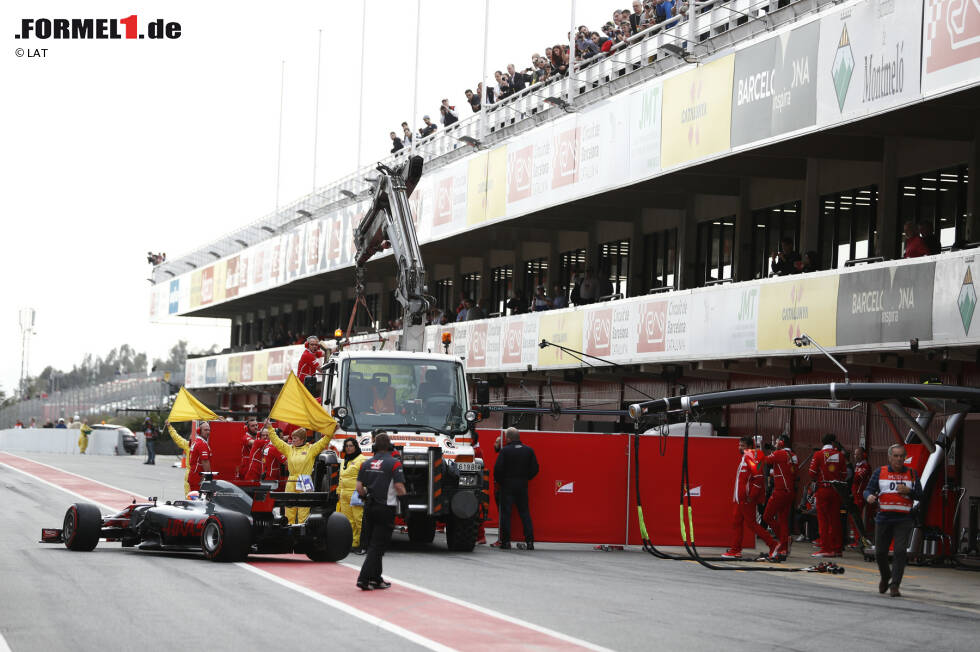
{"points": [[226, 448], [584, 492]]}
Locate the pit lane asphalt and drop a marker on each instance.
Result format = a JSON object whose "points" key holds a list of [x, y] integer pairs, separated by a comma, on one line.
{"points": [[55, 599]]}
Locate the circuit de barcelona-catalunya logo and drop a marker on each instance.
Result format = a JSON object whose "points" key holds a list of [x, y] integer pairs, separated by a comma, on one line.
{"points": [[967, 301], [843, 67]]}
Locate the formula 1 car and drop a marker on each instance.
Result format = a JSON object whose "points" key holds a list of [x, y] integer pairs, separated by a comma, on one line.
{"points": [[227, 524]]}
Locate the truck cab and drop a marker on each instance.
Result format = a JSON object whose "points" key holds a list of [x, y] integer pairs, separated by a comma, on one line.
{"points": [[420, 400]]}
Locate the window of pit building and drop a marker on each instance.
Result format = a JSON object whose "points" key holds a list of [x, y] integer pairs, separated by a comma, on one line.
{"points": [[535, 273], [236, 335], [572, 263], [471, 285], [660, 259], [501, 280], [444, 295], [715, 244], [847, 226], [939, 198], [614, 262], [771, 226], [334, 320]]}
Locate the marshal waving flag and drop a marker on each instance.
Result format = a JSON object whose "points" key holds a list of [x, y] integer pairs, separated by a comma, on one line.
{"points": [[188, 408], [297, 406]]}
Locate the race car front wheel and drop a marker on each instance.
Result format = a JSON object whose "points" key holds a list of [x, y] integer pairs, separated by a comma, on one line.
{"points": [[226, 537], [82, 527]]}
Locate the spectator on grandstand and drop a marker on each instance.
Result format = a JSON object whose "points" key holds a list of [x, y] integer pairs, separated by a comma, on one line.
{"points": [[930, 239], [558, 298], [636, 18], [504, 89], [585, 47], [489, 96], [429, 128], [473, 99], [448, 113], [915, 246], [463, 313], [476, 311], [155, 259], [518, 80], [586, 289], [407, 136], [542, 70], [664, 10], [784, 261], [810, 262], [396, 143], [540, 301], [559, 61], [516, 304], [649, 16]]}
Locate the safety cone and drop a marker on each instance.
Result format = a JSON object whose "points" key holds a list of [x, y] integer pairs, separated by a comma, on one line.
{"points": [[183, 461]]}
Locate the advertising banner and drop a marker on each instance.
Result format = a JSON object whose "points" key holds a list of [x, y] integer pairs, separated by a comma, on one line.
{"points": [[950, 45], [890, 304], [645, 117], [697, 112], [562, 327], [725, 320], [954, 299], [775, 85], [869, 58], [787, 309]]}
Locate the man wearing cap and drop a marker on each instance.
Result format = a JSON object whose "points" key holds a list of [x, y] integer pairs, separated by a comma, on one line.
{"points": [[429, 128], [309, 362], [149, 433]]}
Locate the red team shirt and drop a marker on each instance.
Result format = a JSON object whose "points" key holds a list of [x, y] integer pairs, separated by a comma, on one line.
{"points": [[308, 364], [200, 451]]}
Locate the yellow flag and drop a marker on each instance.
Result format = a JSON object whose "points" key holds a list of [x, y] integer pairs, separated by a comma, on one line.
{"points": [[188, 408], [297, 406]]}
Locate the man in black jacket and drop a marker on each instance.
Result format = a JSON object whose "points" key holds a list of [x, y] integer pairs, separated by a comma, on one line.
{"points": [[515, 466]]}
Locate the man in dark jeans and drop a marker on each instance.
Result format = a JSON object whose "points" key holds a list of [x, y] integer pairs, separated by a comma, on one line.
{"points": [[515, 466], [895, 488], [150, 433], [379, 482]]}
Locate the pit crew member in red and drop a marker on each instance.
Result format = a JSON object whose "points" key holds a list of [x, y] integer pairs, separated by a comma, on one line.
{"points": [[248, 439], [784, 466], [309, 362], [379, 482], [827, 466], [199, 457], [895, 488], [264, 460], [749, 492]]}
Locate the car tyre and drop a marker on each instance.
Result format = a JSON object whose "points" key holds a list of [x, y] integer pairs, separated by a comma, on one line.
{"points": [[226, 537], [335, 541], [421, 528], [82, 527], [461, 534]]}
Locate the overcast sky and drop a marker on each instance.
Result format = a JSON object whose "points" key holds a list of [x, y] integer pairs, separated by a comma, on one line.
{"points": [[112, 148]]}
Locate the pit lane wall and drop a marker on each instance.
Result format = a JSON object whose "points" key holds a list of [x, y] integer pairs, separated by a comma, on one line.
{"points": [[873, 307], [64, 440], [846, 63]]}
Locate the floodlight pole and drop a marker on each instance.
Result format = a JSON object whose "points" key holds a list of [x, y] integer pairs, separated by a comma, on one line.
{"points": [[360, 83], [571, 51], [806, 340]]}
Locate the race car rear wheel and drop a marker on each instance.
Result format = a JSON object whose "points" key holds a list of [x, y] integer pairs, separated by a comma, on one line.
{"points": [[461, 533], [226, 537], [334, 538], [421, 528], [82, 527]]}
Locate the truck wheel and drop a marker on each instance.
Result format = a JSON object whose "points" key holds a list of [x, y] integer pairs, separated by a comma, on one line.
{"points": [[421, 528], [461, 534], [82, 527], [336, 540], [226, 537]]}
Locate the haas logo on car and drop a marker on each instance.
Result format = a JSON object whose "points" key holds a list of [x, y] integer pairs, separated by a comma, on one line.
{"points": [[178, 528], [376, 464]]}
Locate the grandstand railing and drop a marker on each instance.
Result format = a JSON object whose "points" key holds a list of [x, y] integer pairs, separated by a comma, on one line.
{"points": [[127, 392], [708, 29]]}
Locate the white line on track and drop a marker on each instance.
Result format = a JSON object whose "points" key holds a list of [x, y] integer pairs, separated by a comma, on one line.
{"points": [[134, 494], [490, 612], [3, 644], [346, 608], [336, 604], [59, 488]]}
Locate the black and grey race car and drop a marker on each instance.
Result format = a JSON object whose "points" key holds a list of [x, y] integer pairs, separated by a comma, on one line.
{"points": [[228, 523]]}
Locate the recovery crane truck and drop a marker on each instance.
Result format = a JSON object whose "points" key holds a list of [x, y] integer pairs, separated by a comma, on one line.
{"points": [[419, 398]]}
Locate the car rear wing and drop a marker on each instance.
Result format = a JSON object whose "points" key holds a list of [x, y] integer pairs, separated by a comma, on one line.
{"points": [[308, 499]]}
